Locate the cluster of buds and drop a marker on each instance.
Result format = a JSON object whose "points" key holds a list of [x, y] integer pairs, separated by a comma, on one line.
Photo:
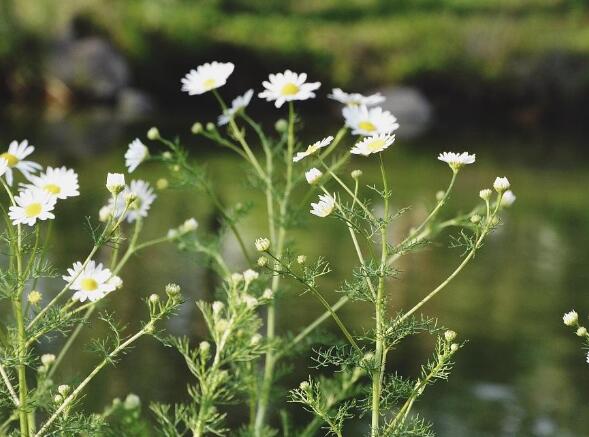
{"points": [[572, 319], [188, 226], [449, 337]]}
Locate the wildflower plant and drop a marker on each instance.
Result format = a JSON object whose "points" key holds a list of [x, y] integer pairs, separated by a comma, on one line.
{"points": [[243, 359], [36, 400], [571, 319]]}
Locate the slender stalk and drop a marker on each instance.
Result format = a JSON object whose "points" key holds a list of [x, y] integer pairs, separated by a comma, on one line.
{"points": [[67, 401], [9, 386], [379, 352], [270, 360]]}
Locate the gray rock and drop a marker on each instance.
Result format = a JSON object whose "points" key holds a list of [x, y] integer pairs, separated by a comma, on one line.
{"points": [[412, 109], [89, 66]]}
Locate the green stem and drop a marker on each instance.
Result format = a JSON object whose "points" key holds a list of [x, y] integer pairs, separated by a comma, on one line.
{"points": [[379, 352]]}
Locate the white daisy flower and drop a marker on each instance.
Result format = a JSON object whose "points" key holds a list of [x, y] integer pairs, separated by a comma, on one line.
{"points": [[32, 204], [92, 282], [570, 318], [207, 77], [15, 158], [313, 148], [324, 207], [507, 199], [313, 175], [140, 207], [3, 166], [456, 160], [501, 184], [136, 154], [355, 99], [374, 144], [288, 86], [364, 121], [237, 105], [58, 182]]}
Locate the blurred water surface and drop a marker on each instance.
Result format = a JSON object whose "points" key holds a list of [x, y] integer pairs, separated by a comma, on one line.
{"points": [[522, 372]]}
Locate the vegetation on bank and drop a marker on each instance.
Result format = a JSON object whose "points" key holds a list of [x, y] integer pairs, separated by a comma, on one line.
{"points": [[519, 45]]}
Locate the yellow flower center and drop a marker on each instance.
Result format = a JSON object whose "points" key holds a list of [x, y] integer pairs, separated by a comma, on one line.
{"points": [[10, 158], [88, 284], [290, 89], [367, 126], [52, 188], [33, 210], [375, 145], [209, 84]]}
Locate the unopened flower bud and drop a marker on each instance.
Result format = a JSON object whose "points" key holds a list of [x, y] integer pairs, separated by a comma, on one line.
{"points": [[250, 301], [115, 182], [58, 399], [454, 347], [162, 184], [104, 213], [236, 278], [571, 318], [34, 297], [250, 275], [47, 359], [196, 128], [63, 389], [262, 244], [507, 199], [356, 173], [132, 402], [210, 126], [268, 294], [475, 218], [222, 325], [495, 220], [582, 331], [281, 125], [153, 133], [130, 197], [204, 347], [304, 385], [262, 261], [218, 307], [167, 155], [301, 259], [449, 335], [154, 298], [485, 194], [173, 290], [440, 195], [256, 340], [501, 184]]}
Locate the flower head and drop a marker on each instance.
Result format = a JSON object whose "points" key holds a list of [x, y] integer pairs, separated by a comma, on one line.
{"points": [[142, 195], [374, 144], [15, 156], [136, 154], [34, 297], [262, 244], [238, 103], [313, 175], [313, 148], [32, 204], [250, 275], [501, 184], [47, 359], [366, 122], [91, 282], [355, 99], [60, 183], [507, 199], [288, 86], [456, 160], [324, 207], [207, 77], [115, 182], [485, 194], [571, 318]]}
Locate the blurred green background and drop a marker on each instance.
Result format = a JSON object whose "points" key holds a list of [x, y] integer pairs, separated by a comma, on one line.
{"points": [[505, 79]]}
